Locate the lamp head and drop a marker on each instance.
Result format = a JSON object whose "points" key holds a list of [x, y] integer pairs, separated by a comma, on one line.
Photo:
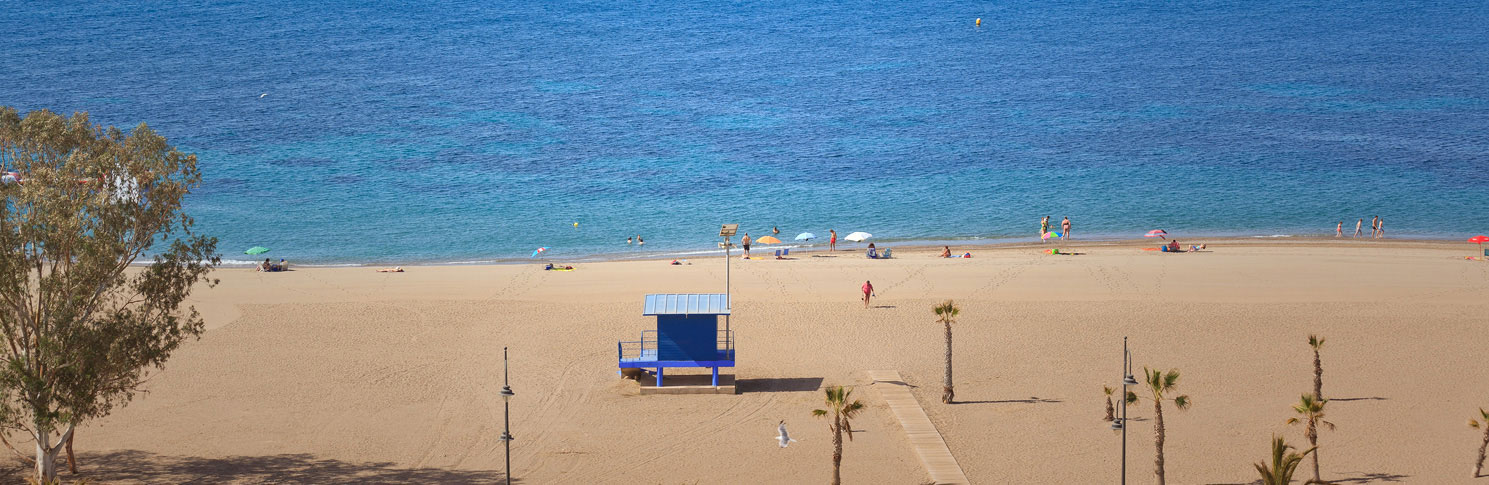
{"points": [[1116, 425], [1129, 381], [507, 393]]}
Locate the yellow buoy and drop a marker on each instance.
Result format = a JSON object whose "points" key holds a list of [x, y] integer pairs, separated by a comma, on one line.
{"points": [[979, 21], [576, 225]]}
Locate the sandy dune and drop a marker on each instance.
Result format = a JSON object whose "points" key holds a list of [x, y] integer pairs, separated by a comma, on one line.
{"points": [[347, 375]]}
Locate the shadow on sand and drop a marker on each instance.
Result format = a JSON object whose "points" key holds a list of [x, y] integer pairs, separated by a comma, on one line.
{"points": [[786, 384], [133, 466], [1348, 399], [1031, 400]]}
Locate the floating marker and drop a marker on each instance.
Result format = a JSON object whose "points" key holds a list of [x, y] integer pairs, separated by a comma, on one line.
{"points": [[979, 21]]}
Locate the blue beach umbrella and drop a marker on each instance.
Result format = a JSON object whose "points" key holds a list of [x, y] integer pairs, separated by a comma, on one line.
{"points": [[805, 236]]}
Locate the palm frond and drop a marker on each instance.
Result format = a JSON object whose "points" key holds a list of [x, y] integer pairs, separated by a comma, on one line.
{"points": [[1108, 390], [1171, 379], [1473, 424], [1182, 402], [1326, 423], [1484, 413], [819, 412], [1293, 421], [1315, 341], [1131, 397]]}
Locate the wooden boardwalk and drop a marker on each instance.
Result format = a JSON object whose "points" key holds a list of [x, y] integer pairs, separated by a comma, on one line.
{"points": [[934, 455]]}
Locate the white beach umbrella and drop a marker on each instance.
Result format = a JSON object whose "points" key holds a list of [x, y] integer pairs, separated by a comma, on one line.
{"points": [[858, 236]]}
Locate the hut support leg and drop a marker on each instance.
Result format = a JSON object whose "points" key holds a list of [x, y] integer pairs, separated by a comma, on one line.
{"points": [[659, 377], [716, 377]]}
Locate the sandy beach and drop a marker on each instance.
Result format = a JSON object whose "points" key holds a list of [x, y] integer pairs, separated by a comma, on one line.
{"points": [[347, 375]]}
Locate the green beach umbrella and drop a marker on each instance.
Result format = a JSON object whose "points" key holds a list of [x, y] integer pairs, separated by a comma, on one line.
{"points": [[256, 250]]}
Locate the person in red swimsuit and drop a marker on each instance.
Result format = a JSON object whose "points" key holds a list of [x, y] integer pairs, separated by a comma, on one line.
{"points": [[832, 245], [868, 292]]}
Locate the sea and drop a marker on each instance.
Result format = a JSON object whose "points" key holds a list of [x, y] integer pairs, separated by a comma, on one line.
{"points": [[369, 132]]}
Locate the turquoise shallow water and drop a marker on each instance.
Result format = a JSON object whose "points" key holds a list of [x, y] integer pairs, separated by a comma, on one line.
{"points": [[464, 131]]}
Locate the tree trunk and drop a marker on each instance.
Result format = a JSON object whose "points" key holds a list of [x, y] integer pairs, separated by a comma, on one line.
{"points": [[1478, 468], [837, 452], [72, 462], [948, 393], [1318, 377], [46, 452], [1158, 440], [1313, 441], [1111, 412]]}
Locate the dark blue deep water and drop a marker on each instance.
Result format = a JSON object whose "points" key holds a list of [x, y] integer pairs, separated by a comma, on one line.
{"points": [[469, 131]]}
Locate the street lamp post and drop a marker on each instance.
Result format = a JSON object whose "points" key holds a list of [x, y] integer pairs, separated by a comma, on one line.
{"points": [[1121, 421], [507, 415]]}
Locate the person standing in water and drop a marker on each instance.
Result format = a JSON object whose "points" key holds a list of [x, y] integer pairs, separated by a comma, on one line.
{"points": [[832, 244], [1339, 230], [1357, 226], [1044, 229], [1380, 229], [746, 242], [775, 230], [868, 292], [1065, 229], [639, 241]]}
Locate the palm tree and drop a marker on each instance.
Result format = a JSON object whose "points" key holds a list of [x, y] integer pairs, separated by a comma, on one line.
{"points": [[1317, 342], [1478, 467], [1284, 463], [1162, 384], [1110, 411], [842, 410], [946, 314], [1312, 413]]}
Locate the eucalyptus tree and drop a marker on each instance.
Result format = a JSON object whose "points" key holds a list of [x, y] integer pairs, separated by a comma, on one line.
{"points": [[81, 324]]}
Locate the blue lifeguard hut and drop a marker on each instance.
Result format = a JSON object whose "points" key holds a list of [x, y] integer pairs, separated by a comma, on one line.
{"points": [[687, 335]]}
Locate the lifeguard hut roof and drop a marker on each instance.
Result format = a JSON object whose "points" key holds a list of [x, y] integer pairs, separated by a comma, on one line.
{"points": [[686, 304]]}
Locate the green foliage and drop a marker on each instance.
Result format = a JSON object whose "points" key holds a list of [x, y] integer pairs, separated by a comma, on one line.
{"points": [[1310, 411], [1163, 383], [82, 327], [946, 311], [841, 408], [1315, 341], [1284, 463]]}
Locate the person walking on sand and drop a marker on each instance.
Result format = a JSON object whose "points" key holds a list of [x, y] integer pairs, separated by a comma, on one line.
{"points": [[1357, 226], [746, 242], [1380, 229], [1339, 230], [1044, 229], [868, 292], [1374, 227], [1065, 229], [832, 244]]}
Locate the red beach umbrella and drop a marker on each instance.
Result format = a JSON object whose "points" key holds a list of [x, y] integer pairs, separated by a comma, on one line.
{"points": [[1157, 233], [1480, 240]]}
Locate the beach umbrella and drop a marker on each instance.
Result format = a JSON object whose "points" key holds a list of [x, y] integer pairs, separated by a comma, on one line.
{"points": [[1480, 240], [768, 240], [858, 236], [538, 251], [256, 250], [1052, 235], [1157, 233], [805, 236]]}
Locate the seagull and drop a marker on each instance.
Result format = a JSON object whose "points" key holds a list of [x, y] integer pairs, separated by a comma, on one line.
{"points": [[262, 95], [784, 438]]}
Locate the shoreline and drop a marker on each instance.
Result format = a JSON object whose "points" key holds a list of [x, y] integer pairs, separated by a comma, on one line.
{"points": [[907, 245]]}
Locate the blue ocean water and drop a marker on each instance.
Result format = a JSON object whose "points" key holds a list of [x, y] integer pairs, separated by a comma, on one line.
{"points": [[442, 131]]}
